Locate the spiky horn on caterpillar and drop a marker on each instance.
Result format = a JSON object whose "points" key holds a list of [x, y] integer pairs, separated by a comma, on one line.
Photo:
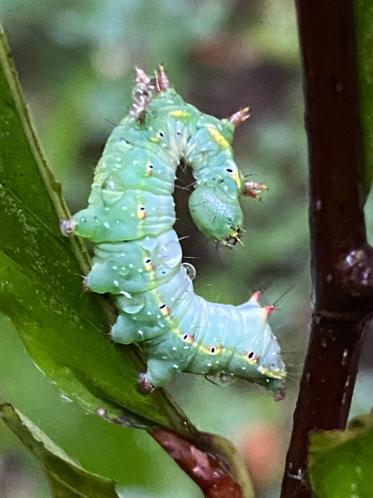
{"points": [[138, 256]]}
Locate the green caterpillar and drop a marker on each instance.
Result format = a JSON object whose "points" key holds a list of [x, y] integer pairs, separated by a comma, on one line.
{"points": [[138, 256]]}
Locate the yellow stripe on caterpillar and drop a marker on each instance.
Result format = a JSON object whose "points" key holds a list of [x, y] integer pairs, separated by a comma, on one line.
{"points": [[218, 137], [179, 114]]}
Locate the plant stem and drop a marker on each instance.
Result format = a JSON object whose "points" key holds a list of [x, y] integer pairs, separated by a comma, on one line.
{"points": [[206, 470], [341, 263]]}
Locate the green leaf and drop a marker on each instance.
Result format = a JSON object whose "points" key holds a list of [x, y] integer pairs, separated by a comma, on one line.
{"points": [[66, 477], [364, 34], [63, 328], [341, 462]]}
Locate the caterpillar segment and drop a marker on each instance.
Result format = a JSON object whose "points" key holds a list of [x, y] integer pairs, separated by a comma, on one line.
{"points": [[138, 257]]}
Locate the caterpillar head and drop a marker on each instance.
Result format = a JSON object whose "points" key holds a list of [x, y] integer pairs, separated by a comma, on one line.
{"points": [[216, 211]]}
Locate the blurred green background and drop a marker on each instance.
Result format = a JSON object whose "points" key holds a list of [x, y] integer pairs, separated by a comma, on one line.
{"points": [[76, 59]]}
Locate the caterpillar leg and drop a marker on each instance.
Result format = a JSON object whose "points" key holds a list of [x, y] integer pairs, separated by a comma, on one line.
{"points": [[124, 332], [85, 285], [158, 374], [102, 278]]}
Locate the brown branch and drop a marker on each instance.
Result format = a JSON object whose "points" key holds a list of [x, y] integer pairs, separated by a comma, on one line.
{"points": [[205, 469], [342, 269]]}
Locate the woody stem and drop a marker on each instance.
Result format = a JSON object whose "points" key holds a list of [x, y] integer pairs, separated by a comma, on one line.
{"points": [[342, 261]]}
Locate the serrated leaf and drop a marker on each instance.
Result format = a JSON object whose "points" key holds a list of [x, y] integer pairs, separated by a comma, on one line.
{"points": [[63, 328], [66, 477], [341, 462]]}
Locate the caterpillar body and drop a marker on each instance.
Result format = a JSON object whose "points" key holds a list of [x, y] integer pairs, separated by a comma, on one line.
{"points": [[138, 256]]}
